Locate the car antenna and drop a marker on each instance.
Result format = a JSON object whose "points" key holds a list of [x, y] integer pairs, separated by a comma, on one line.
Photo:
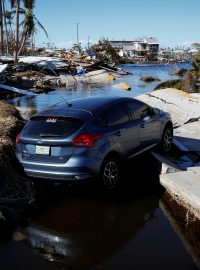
{"points": [[69, 104]]}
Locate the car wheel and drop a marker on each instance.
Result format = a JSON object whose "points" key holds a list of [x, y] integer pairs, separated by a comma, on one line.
{"points": [[109, 174], [167, 139]]}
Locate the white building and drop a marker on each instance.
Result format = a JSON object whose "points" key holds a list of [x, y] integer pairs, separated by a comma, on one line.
{"points": [[137, 48]]}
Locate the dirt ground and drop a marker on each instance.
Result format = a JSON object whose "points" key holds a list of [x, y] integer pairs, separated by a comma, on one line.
{"points": [[10, 125], [10, 122]]}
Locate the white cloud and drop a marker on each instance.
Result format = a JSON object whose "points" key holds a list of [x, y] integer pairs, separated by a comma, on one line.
{"points": [[65, 44], [69, 44], [189, 42], [185, 44]]}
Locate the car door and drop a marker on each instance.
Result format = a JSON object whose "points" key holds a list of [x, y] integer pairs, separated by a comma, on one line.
{"points": [[123, 131], [147, 121], [150, 126]]}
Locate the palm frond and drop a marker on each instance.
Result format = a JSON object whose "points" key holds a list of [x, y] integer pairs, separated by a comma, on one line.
{"points": [[29, 4], [41, 26]]}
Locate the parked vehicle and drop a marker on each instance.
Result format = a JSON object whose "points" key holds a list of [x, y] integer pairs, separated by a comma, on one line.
{"points": [[88, 137]]}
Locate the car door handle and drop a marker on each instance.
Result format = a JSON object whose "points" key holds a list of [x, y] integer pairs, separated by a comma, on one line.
{"points": [[117, 133]]}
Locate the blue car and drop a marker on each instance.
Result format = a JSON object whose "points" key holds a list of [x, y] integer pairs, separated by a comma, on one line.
{"points": [[89, 137]]}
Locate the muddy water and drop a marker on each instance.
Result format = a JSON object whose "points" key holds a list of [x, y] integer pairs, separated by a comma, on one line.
{"points": [[79, 227]]}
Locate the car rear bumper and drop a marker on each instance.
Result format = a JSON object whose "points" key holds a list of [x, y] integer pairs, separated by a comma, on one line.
{"points": [[89, 168], [68, 176]]}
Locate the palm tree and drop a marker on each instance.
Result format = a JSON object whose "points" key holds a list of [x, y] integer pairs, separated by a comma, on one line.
{"points": [[30, 23], [9, 17], [16, 3]]}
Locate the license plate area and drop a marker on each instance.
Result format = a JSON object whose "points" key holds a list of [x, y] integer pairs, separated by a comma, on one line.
{"points": [[42, 150]]}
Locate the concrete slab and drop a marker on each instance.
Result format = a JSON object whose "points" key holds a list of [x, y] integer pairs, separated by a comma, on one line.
{"points": [[166, 165], [188, 143], [184, 187], [195, 170]]}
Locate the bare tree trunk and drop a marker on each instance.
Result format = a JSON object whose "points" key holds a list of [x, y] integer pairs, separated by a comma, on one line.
{"points": [[22, 43], [33, 44], [1, 22], [17, 32], [5, 23]]}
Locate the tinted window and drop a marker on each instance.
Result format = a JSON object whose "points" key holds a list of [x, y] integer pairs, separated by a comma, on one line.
{"points": [[117, 115], [51, 127], [138, 110], [101, 120]]}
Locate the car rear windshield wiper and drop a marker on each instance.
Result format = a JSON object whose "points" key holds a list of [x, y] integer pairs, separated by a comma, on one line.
{"points": [[49, 135]]}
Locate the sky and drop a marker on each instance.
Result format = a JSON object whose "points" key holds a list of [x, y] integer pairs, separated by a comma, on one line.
{"points": [[172, 22]]}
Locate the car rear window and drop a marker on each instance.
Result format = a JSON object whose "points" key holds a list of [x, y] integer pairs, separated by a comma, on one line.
{"points": [[51, 127]]}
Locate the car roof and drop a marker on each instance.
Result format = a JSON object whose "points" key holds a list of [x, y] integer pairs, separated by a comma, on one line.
{"points": [[81, 108]]}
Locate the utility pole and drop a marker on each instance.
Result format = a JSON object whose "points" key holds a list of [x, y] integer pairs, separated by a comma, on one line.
{"points": [[88, 42], [77, 36]]}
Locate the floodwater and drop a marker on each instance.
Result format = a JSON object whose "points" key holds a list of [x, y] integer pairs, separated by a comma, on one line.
{"points": [[138, 87], [77, 227]]}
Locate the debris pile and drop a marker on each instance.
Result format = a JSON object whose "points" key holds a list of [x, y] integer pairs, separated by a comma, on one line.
{"points": [[37, 74]]}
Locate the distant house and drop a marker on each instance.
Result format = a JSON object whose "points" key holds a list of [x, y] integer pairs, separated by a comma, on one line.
{"points": [[137, 48], [152, 44], [120, 43]]}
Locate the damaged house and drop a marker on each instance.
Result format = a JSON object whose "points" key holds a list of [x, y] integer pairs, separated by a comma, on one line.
{"points": [[145, 49]]}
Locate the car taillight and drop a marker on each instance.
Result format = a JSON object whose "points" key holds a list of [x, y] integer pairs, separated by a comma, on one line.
{"points": [[18, 138], [86, 140]]}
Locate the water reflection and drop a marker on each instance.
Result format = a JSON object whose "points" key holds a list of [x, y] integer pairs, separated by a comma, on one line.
{"points": [[81, 233], [79, 228], [86, 227]]}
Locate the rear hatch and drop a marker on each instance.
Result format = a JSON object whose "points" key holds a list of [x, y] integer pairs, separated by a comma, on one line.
{"points": [[47, 139]]}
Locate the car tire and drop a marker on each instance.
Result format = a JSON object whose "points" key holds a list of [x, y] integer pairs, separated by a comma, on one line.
{"points": [[167, 139], [110, 174]]}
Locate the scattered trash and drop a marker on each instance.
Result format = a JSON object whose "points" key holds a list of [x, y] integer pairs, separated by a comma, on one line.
{"points": [[3, 67], [122, 85], [17, 90]]}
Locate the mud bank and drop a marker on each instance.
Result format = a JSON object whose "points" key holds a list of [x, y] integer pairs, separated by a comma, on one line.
{"points": [[185, 223], [13, 186], [11, 123]]}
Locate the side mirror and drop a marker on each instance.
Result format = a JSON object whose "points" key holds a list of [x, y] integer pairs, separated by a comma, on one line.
{"points": [[156, 111], [146, 118]]}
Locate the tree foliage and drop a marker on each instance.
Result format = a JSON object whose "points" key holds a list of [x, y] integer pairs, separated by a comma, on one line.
{"points": [[25, 26], [196, 66], [105, 52]]}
